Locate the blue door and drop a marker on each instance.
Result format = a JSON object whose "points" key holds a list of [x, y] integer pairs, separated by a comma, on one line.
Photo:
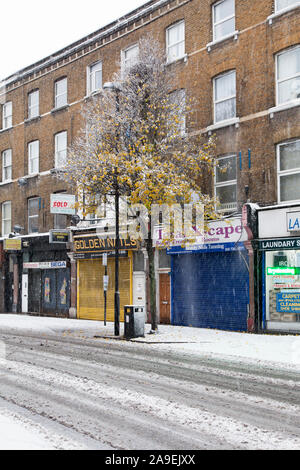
{"points": [[210, 290]]}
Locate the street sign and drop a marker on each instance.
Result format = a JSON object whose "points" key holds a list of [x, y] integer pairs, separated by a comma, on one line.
{"points": [[105, 283]]}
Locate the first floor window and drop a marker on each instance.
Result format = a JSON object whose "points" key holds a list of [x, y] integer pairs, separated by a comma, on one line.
{"points": [[225, 97], [288, 75], [7, 165], [288, 160], [282, 4], [176, 41], [178, 111], [7, 115], [6, 218], [226, 183], [95, 77], [61, 144], [33, 215], [33, 157], [223, 19]]}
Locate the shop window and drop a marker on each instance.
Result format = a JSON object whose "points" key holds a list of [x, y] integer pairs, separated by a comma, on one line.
{"points": [[7, 115], [33, 157], [226, 183], [6, 165], [223, 19], [176, 41], [225, 97], [33, 104], [6, 218], [283, 4], [33, 215], [129, 57], [61, 144], [288, 75], [61, 93], [288, 160], [282, 286], [94, 77]]}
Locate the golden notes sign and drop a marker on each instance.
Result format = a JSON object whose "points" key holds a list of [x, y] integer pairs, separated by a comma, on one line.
{"points": [[95, 244]]}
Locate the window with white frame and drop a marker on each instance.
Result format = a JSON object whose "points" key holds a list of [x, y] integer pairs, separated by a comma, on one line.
{"points": [[177, 111], [33, 104], [129, 57], [7, 115], [33, 157], [283, 4], [61, 145], [223, 19], [61, 93], [288, 161], [176, 41], [6, 218], [33, 214], [225, 97], [7, 165], [288, 75], [94, 77], [226, 183]]}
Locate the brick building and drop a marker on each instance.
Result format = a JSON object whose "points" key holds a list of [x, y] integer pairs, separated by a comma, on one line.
{"points": [[238, 58]]}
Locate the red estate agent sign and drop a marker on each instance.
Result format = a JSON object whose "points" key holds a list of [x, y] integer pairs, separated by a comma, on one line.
{"points": [[62, 204]]}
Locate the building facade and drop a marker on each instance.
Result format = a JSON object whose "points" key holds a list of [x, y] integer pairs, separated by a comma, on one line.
{"points": [[239, 60]]}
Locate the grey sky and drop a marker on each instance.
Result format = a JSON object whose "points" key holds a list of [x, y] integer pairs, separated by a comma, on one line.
{"points": [[33, 29]]}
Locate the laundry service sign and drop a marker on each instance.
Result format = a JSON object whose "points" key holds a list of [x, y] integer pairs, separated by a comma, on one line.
{"points": [[293, 221]]}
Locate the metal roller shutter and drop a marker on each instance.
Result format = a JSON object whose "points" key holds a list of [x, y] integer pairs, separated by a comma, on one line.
{"points": [[90, 288], [210, 291]]}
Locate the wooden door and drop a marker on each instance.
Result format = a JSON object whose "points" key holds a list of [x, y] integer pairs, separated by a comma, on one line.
{"points": [[165, 297]]}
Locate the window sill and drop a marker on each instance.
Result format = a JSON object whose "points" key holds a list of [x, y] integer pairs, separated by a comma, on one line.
{"points": [[32, 120], [93, 93], [283, 107], [183, 58], [62, 108], [220, 125], [4, 183], [233, 35], [6, 129], [281, 12]]}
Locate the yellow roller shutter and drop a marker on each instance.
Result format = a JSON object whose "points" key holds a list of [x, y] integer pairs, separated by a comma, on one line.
{"points": [[90, 288]]}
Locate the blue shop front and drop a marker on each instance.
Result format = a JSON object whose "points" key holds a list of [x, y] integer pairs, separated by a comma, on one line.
{"points": [[210, 280]]}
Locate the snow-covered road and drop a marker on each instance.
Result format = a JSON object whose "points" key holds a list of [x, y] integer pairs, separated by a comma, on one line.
{"points": [[85, 393]]}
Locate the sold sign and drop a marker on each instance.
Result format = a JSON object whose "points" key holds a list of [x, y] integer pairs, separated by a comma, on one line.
{"points": [[62, 204]]}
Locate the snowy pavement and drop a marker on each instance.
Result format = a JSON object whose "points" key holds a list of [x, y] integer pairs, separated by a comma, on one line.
{"points": [[280, 349], [69, 384]]}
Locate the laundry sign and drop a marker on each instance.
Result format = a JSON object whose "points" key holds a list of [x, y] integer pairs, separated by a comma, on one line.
{"points": [[293, 221]]}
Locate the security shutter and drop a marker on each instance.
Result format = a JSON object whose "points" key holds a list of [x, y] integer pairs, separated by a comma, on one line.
{"points": [[210, 290], [90, 288]]}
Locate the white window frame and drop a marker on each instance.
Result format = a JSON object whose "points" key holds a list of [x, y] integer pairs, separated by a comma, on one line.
{"points": [[64, 94], [217, 23], [284, 79], [59, 152], [7, 115], [91, 82], [224, 99], [32, 158], [222, 184], [181, 94], [6, 165], [35, 216], [281, 173], [182, 41], [6, 220], [277, 9], [33, 109], [126, 64]]}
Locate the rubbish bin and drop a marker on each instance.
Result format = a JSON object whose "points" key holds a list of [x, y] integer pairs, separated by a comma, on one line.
{"points": [[134, 325]]}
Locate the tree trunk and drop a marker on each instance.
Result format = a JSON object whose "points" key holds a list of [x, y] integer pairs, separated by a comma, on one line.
{"points": [[150, 251]]}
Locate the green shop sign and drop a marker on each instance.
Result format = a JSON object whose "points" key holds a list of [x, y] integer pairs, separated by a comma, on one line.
{"points": [[284, 271]]}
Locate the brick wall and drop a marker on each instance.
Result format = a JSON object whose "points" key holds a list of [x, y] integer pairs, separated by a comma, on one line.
{"points": [[251, 54]]}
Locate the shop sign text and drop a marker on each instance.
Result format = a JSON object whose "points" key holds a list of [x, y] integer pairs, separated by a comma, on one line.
{"points": [[288, 302]]}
